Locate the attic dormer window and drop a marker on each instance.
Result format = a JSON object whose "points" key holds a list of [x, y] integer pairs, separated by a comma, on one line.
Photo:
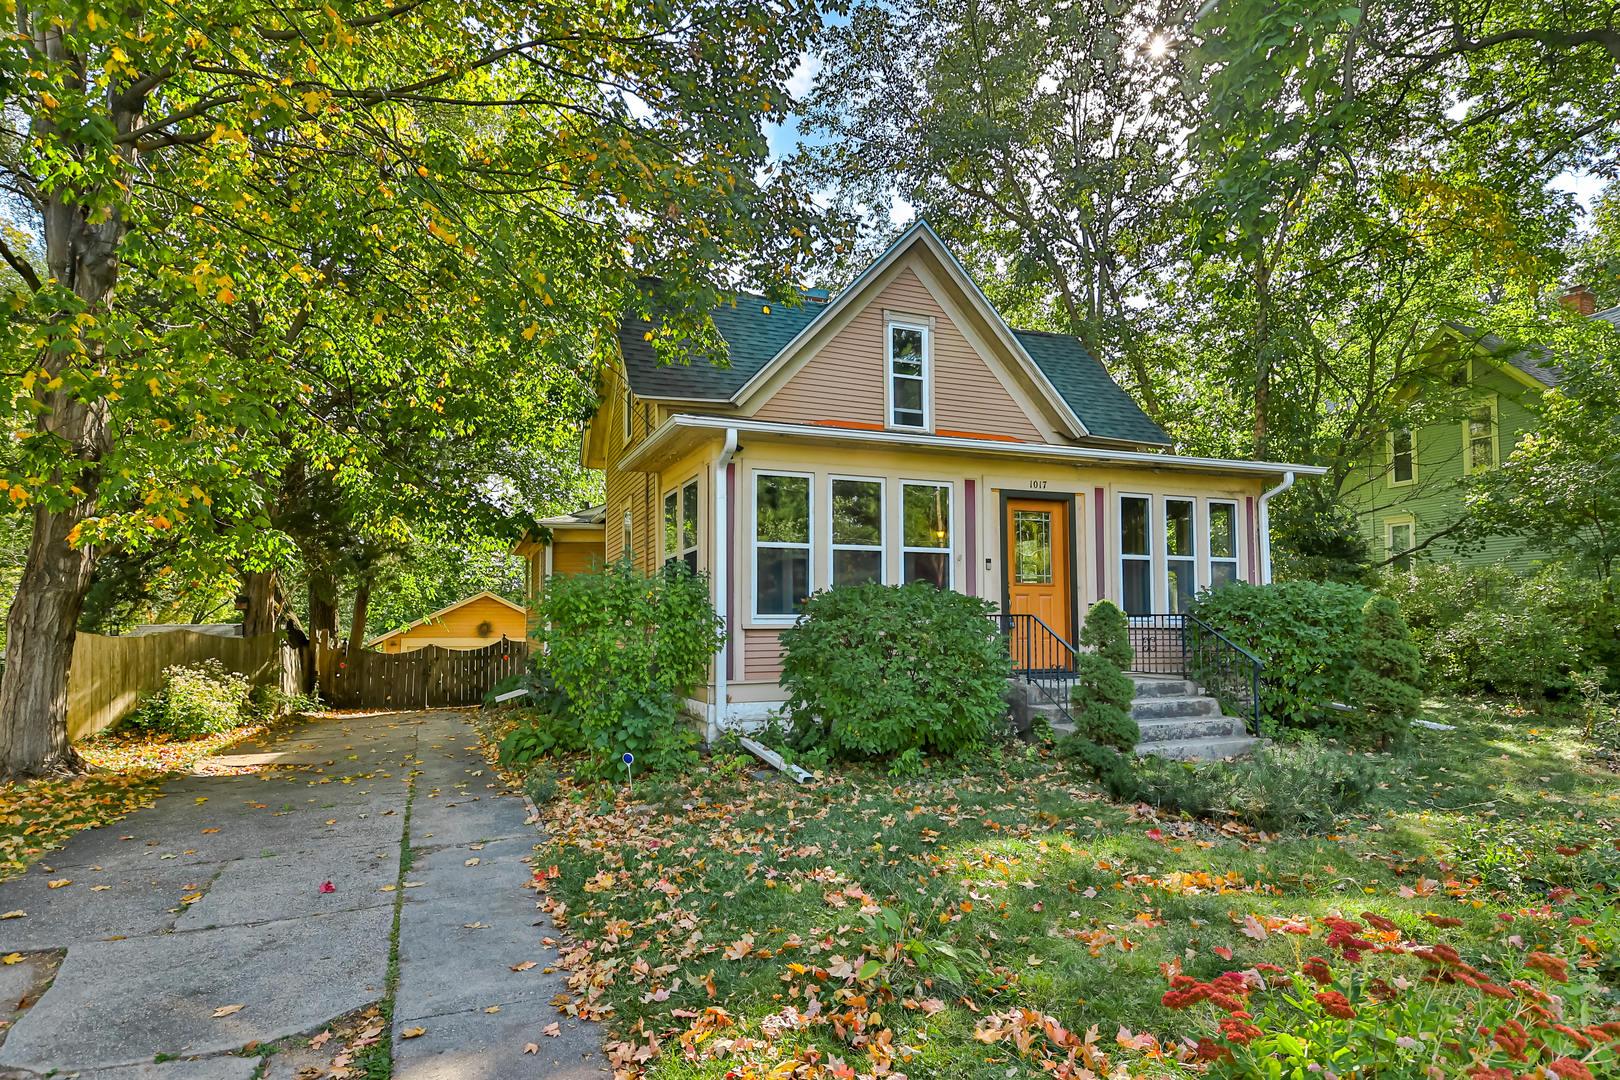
{"points": [[908, 375]]}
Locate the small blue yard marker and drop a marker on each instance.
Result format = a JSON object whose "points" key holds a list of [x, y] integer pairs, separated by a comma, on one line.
{"points": [[629, 759]]}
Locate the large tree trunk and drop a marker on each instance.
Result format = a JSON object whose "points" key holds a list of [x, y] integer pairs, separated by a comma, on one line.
{"points": [[323, 615], [81, 253], [357, 620], [264, 603]]}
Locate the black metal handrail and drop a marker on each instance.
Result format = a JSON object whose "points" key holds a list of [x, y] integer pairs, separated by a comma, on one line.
{"points": [[1040, 657], [1227, 671]]}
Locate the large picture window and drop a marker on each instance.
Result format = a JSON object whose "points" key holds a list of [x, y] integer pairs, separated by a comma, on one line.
{"points": [[925, 551], [781, 543], [857, 531], [1136, 554], [681, 526], [1180, 554], [1223, 550], [908, 376]]}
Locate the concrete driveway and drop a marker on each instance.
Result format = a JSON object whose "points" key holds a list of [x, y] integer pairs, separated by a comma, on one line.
{"points": [[215, 897]]}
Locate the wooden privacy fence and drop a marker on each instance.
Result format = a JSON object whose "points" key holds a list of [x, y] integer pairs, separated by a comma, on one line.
{"points": [[110, 675], [431, 677]]}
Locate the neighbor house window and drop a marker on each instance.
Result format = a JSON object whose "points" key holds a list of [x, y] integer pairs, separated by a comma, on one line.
{"points": [[1180, 553], [1223, 551], [908, 376], [1402, 457], [1135, 555], [629, 550], [1399, 539], [781, 543], [857, 531], [680, 526], [925, 542], [1479, 438]]}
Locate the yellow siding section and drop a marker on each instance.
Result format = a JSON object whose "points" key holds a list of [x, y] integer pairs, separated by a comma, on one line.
{"points": [[458, 628], [635, 492], [574, 557], [844, 380]]}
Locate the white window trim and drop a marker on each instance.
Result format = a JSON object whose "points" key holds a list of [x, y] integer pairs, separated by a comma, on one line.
{"points": [[925, 327], [882, 546], [1196, 558], [1121, 557], [1389, 456], [1210, 559], [754, 544], [950, 531], [679, 491], [1496, 437], [1390, 525]]}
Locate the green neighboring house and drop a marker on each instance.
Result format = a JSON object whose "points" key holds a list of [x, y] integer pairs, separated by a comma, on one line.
{"points": [[1409, 498]]}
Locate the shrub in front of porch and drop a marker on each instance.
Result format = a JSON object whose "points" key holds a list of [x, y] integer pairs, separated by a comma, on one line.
{"points": [[629, 648], [1104, 730], [878, 670]]}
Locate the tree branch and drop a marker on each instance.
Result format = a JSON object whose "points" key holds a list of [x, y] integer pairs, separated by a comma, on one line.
{"points": [[18, 264]]}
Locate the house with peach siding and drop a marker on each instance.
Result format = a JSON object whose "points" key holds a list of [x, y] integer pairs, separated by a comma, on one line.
{"points": [[900, 431]]}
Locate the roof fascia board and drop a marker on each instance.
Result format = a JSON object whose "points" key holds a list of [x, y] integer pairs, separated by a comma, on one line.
{"points": [[672, 427]]}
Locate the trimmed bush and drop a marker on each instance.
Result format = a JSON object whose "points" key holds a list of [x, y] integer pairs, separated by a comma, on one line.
{"points": [[197, 699], [628, 648], [1107, 632], [1306, 633], [1384, 685], [878, 670], [1101, 701]]}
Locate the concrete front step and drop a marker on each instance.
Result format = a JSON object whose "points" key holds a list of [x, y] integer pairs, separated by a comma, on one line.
{"points": [[1160, 686], [1199, 749], [1165, 708], [1176, 729]]}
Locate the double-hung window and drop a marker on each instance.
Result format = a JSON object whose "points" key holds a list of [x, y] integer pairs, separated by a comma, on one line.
{"points": [[1402, 457], [908, 375], [857, 531], [1399, 539], [1223, 550], [680, 526], [925, 541], [1479, 437], [1136, 554], [1180, 554], [782, 534]]}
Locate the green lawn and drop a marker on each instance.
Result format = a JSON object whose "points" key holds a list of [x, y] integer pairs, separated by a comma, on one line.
{"points": [[861, 924]]}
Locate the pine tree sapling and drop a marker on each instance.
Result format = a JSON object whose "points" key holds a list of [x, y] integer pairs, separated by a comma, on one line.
{"points": [[1107, 633], [1101, 701], [1385, 681]]}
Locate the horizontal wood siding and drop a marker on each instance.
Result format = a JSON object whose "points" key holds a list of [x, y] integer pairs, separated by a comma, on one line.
{"points": [[762, 656], [844, 380], [573, 557], [459, 628], [633, 491]]}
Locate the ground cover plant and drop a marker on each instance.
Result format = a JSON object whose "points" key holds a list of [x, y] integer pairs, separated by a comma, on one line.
{"points": [[1000, 917]]}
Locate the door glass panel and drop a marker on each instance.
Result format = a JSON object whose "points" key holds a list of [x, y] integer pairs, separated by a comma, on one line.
{"points": [[1032, 547]]}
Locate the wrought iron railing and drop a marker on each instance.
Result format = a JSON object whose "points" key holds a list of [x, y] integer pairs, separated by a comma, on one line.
{"points": [[1186, 646], [1040, 657]]}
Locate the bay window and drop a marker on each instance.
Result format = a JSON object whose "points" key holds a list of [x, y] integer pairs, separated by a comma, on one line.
{"points": [[857, 531], [925, 542], [781, 543]]}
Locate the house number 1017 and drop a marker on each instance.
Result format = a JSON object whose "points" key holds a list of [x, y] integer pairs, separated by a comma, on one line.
{"points": [[1037, 485]]}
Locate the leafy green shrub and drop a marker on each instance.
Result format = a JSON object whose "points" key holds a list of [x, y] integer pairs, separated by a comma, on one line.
{"points": [[541, 784], [628, 648], [1489, 629], [539, 734], [873, 670], [197, 699], [1384, 685], [1303, 786], [1306, 633]]}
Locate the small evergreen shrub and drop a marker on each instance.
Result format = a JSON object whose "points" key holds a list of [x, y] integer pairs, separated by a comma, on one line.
{"points": [[1106, 632], [1301, 786], [1306, 633], [1384, 685], [195, 700], [878, 670], [1104, 730], [627, 648]]}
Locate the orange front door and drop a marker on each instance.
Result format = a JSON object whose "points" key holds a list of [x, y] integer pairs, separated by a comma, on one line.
{"points": [[1038, 565]]}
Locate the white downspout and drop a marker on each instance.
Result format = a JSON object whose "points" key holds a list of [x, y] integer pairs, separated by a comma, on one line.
{"points": [[1265, 526], [722, 581]]}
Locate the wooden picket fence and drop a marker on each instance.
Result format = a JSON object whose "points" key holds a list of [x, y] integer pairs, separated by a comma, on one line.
{"points": [[431, 677], [110, 675]]}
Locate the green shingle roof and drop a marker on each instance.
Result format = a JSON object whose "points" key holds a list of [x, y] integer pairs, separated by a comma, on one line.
{"points": [[754, 336]]}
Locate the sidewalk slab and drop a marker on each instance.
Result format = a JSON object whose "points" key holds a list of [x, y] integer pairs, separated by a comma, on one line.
{"points": [[476, 1045], [216, 1068]]}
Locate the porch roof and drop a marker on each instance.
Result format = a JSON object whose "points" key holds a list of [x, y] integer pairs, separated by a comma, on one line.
{"points": [[682, 432]]}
